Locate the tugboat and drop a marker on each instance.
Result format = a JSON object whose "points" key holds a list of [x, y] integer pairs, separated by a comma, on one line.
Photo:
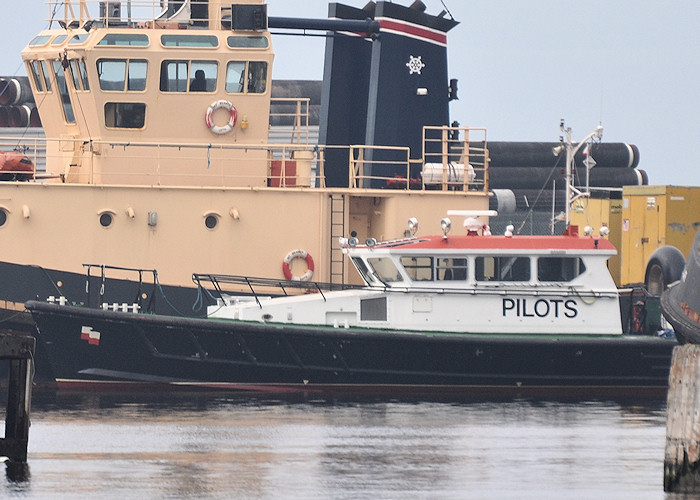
{"points": [[469, 313], [158, 153]]}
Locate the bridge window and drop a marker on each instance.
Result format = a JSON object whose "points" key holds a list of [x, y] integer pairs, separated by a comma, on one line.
{"points": [[125, 115], [240, 72], [122, 39], [247, 42], [189, 41], [181, 76], [47, 78], [122, 74], [63, 91], [451, 269], [40, 40], [559, 268], [502, 268], [59, 39], [79, 74], [37, 78], [79, 39], [418, 268]]}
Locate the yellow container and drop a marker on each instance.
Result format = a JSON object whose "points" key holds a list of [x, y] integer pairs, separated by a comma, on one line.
{"points": [[654, 216], [598, 213]]}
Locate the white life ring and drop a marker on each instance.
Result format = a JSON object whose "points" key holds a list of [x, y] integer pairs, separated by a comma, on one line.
{"points": [[233, 117], [298, 254]]}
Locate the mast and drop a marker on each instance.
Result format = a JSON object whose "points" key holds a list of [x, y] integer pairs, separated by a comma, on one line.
{"points": [[572, 193]]}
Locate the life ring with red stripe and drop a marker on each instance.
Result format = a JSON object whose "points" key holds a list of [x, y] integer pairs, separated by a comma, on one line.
{"points": [[298, 254], [233, 117]]}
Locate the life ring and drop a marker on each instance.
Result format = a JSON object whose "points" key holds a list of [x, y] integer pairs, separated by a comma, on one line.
{"points": [[233, 117], [298, 254]]}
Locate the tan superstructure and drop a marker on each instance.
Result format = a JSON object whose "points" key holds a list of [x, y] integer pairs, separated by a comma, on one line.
{"points": [[151, 166]]}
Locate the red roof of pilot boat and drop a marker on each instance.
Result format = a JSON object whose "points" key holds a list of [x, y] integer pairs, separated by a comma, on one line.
{"points": [[506, 243]]}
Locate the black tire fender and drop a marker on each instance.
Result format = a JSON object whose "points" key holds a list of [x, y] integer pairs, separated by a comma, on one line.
{"points": [[665, 266]]}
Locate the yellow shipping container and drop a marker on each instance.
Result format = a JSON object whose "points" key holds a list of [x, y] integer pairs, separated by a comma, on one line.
{"points": [[654, 216], [599, 212]]}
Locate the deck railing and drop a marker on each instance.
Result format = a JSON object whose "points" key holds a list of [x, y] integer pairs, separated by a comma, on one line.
{"points": [[290, 165]]}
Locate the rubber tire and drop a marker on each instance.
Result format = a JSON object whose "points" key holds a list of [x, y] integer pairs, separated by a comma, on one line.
{"points": [[665, 266]]}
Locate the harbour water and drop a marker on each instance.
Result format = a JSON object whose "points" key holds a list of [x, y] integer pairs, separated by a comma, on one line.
{"points": [[261, 446]]}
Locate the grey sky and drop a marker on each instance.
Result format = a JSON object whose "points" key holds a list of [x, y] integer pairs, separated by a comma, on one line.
{"points": [[633, 66]]}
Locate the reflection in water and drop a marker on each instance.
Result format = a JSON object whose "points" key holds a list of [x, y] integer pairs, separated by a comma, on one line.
{"points": [[232, 446]]}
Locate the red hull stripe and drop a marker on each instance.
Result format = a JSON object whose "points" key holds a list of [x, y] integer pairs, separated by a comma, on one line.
{"points": [[413, 31]]}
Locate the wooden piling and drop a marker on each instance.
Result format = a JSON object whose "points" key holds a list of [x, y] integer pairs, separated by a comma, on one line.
{"points": [[18, 348]]}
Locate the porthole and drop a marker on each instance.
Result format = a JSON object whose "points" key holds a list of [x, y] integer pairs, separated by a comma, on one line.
{"points": [[106, 219], [211, 221], [3, 217]]}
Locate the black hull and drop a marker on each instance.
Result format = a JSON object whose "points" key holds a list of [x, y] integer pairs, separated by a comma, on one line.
{"points": [[151, 350], [681, 302]]}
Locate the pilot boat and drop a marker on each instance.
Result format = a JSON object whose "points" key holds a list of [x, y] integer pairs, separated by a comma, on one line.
{"points": [[472, 313]]}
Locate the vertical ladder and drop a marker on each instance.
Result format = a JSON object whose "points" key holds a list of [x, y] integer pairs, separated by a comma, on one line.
{"points": [[337, 269]]}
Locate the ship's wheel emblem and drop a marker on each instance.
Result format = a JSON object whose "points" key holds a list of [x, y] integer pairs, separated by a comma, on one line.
{"points": [[415, 65]]}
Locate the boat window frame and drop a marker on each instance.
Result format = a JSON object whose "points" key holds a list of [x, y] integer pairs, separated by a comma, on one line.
{"points": [[47, 76], [420, 264], [452, 270], [246, 82], [192, 65], [127, 80], [59, 39], [37, 78], [117, 113], [63, 92], [78, 39], [187, 37], [78, 73], [134, 36], [559, 275], [34, 42], [386, 276], [247, 37], [364, 271], [479, 268]]}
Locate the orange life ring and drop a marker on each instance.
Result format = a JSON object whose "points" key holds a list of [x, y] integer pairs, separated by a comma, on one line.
{"points": [[298, 254], [233, 117]]}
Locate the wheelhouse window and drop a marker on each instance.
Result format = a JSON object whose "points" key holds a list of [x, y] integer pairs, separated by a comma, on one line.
{"points": [[122, 74], [124, 39], [125, 115], [79, 39], [59, 39], [192, 76], [249, 77], [206, 41], [47, 78], [247, 42], [363, 270], [79, 74], [502, 268], [451, 269], [385, 269], [35, 73], [63, 91], [565, 269], [40, 40], [418, 268]]}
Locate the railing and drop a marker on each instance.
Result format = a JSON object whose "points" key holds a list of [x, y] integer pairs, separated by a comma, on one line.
{"points": [[224, 285], [76, 160], [456, 158], [291, 112]]}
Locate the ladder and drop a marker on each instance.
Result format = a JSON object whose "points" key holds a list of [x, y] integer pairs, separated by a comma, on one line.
{"points": [[337, 267]]}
